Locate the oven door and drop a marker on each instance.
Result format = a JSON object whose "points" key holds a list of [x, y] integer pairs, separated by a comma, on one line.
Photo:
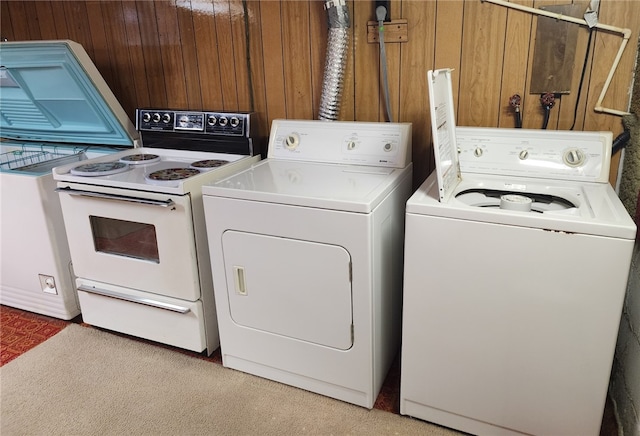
{"points": [[133, 239]]}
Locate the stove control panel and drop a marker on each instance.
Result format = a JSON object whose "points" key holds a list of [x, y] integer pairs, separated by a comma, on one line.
{"points": [[213, 123]]}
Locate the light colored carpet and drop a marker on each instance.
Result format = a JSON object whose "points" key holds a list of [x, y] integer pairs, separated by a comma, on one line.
{"points": [[85, 381]]}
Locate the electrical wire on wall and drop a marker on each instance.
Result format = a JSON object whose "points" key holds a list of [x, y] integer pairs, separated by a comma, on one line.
{"points": [[381, 12], [584, 69]]}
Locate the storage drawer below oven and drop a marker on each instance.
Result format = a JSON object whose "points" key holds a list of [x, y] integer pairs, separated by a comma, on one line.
{"points": [[158, 318]]}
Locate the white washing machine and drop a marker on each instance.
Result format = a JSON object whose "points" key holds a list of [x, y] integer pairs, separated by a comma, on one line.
{"points": [[306, 250], [517, 255]]}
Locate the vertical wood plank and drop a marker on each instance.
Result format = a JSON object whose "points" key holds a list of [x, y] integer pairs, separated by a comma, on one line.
{"points": [[115, 26], [19, 22], [44, 17], [295, 39], [101, 42], [417, 58], [189, 54], [367, 95], [516, 57], [150, 45], [136, 55], [481, 68], [204, 26], [33, 24], [273, 60], [77, 29], [257, 72], [241, 79], [224, 36], [6, 28], [59, 19], [170, 48]]}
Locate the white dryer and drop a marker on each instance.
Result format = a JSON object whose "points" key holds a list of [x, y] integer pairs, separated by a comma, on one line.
{"points": [[306, 250], [516, 263]]}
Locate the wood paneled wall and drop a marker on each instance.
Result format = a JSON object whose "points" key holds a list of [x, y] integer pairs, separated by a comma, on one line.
{"points": [[268, 57]]}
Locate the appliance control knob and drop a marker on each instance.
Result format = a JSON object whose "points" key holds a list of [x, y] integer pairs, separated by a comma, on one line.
{"points": [[351, 145], [156, 117], [146, 117], [478, 152], [292, 141], [211, 120], [388, 146], [235, 122], [574, 157], [166, 118], [524, 154], [50, 283], [223, 121]]}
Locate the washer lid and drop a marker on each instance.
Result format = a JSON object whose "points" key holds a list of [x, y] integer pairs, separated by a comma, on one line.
{"points": [[443, 126], [352, 188], [583, 208], [51, 91]]}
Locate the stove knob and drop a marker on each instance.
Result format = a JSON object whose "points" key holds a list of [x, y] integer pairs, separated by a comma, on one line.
{"points": [[146, 117], [235, 122], [223, 121], [211, 120], [166, 118], [574, 157], [156, 117]]}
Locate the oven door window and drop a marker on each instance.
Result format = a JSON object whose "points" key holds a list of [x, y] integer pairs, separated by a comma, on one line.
{"points": [[125, 238]]}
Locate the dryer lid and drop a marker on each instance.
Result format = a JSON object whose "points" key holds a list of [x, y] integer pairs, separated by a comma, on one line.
{"points": [[50, 91], [443, 126]]}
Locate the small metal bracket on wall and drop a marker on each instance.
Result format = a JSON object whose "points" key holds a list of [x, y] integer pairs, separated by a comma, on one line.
{"points": [[394, 31]]}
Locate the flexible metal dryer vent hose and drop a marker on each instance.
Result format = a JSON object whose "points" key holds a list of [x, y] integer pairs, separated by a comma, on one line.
{"points": [[335, 59]]}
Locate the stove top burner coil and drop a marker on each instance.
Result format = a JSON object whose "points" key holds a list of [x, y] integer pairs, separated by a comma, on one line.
{"points": [[208, 164], [171, 174], [140, 159], [99, 169]]}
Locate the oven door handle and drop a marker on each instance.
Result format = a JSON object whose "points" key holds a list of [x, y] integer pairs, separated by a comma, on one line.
{"points": [[138, 300], [105, 196]]}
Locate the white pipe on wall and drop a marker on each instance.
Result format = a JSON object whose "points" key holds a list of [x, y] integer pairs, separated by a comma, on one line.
{"points": [[626, 35]]}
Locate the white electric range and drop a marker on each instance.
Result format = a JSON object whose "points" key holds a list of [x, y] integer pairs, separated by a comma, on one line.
{"points": [[135, 226], [517, 254]]}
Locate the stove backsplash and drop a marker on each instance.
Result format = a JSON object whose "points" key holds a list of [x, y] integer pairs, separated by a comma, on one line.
{"points": [[220, 132]]}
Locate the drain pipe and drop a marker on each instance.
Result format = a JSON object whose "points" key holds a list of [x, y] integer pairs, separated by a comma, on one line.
{"points": [[335, 59]]}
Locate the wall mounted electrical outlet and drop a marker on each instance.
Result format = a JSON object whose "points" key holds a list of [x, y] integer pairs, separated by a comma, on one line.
{"points": [[387, 5]]}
